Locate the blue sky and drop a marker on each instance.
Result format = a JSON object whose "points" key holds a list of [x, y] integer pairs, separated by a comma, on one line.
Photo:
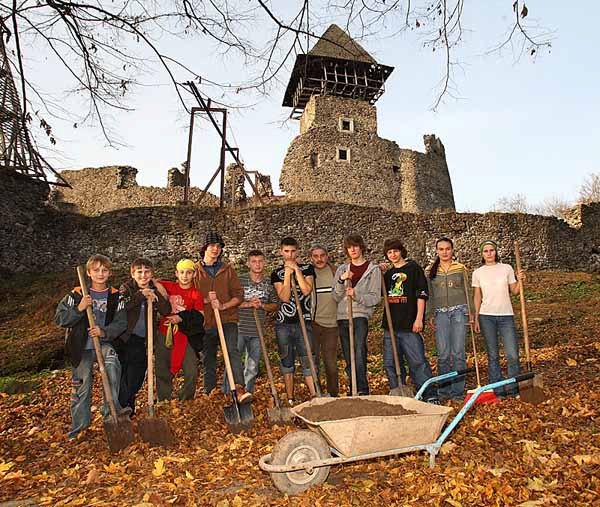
{"points": [[520, 125]]}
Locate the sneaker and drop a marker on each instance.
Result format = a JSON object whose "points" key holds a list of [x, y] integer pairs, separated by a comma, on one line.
{"points": [[433, 401], [125, 412], [243, 396], [291, 402]]}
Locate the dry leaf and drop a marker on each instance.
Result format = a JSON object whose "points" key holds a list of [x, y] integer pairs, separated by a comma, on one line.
{"points": [[159, 468], [571, 362], [536, 484], [587, 459]]}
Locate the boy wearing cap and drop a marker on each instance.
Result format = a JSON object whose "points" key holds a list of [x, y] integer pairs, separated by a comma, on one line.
{"points": [[131, 345], [181, 334], [111, 320], [220, 285]]}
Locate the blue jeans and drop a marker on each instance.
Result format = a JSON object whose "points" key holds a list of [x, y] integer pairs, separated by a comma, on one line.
{"points": [[411, 345], [361, 330], [450, 332], [251, 345], [290, 343], [491, 326], [82, 383]]}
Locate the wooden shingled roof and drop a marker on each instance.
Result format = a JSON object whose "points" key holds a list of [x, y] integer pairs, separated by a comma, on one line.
{"points": [[335, 43]]}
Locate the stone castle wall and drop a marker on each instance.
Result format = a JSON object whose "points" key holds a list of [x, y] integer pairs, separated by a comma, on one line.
{"points": [[102, 189], [376, 171], [39, 238]]}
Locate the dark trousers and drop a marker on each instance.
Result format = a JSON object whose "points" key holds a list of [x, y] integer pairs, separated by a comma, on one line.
{"points": [[211, 344], [133, 359], [326, 346], [361, 329], [164, 378]]}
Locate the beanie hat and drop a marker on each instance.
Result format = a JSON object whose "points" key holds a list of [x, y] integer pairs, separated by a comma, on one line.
{"points": [[185, 264], [210, 238]]}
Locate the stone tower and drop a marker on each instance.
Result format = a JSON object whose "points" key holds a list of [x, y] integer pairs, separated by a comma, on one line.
{"points": [[338, 155]]}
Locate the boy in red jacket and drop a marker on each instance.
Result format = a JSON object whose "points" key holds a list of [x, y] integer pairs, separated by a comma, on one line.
{"points": [[180, 334]]}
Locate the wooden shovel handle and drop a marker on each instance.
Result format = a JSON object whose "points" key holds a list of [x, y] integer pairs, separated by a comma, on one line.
{"points": [[347, 285], [475, 359], [523, 309], [263, 347], [150, 374], [300, 313], [390, 324], [92, 322], [221, 334]]}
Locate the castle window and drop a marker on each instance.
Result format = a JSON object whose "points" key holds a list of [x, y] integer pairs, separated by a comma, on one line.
{"points": [[395, 169], [314, 160], [343, 155], [346, 125]]}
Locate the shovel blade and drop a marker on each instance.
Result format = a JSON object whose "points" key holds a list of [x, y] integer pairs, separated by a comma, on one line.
{"points": [[156, 432], [403, 390], [281, 415], [531, 393], [238, 417], [119, 434]]}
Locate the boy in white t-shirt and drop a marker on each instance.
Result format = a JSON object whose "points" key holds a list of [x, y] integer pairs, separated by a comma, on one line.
{"points": [[493, 283]]}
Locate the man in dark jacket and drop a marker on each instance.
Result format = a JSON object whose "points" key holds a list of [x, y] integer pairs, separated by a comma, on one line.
{"points": [[110, 317]]}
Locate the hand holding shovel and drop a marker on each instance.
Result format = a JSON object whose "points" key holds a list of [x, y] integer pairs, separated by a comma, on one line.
{"points": [[118, 430]]}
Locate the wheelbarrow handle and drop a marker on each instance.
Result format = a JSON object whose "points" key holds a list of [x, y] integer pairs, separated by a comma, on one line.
{"points": [[444, 376]]}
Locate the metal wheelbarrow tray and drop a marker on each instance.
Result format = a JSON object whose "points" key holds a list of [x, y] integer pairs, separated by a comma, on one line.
{"points": [[302, 459]]}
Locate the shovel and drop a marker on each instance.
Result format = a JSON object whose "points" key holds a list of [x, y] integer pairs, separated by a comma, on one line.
{"points": [[402, 389], [311, 363], [154, 430], [276, 414], [118, 430], [488, 396], [531, 391], [238, 416], [348, 284]]}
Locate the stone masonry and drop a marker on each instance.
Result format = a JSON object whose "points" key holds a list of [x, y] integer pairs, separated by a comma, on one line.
{"points": [[338, 157]]}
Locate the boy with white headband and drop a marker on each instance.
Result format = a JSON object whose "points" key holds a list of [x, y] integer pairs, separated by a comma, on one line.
{"points": [[181, 334]]}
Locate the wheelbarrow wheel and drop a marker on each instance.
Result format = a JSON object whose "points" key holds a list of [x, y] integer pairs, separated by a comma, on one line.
{"points": [[295, 448]]}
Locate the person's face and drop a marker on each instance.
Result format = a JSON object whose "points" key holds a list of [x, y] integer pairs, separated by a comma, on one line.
{"points": [[99, 273], [489, 254], [319, 258], [214, 250], [289, 252], [142, 276], [354, 252], [444, 251], [185, 277], [256, 264], [394, 255]]}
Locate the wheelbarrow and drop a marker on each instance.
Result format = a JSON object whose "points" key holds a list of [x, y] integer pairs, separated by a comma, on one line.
{"points": [[302, 459]]}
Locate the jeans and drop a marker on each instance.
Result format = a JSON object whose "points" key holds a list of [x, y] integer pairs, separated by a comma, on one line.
{"points": [[361, 329], [451, 329], [491, 326], [250, 345], [164, 377], [134, 361], [326, 347], [83, 380], [411, 345], [290, 343], [211, 344], [390, 368]]}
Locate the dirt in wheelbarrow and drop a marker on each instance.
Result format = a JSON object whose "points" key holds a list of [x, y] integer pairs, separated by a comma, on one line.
{"points": [[349, 408]]}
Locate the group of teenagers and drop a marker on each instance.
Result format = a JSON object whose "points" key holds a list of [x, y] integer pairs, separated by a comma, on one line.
{"points": [[183, 319]]}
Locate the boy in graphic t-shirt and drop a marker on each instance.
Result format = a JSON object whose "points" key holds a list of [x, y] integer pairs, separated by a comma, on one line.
{"points": [[290, 341], [406, 288]]}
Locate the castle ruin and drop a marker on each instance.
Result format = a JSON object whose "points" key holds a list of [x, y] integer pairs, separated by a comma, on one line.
{"points": [[338, 156]]}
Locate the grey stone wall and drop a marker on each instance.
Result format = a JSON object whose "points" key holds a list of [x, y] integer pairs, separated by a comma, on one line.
{"points": [[38, 238], [376, 172], [100, 189]]}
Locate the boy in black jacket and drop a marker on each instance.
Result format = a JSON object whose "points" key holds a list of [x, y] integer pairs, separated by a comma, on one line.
{"points": [[132, 344], [109, 313]]}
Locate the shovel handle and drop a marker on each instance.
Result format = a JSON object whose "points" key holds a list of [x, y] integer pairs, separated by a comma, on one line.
{"points": [[221, 334], [390, 324], [524, 376], [150, 351], [263, 347], [300, 313], [348, 284], [523, 309], [92, 322], [474, 345]]}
